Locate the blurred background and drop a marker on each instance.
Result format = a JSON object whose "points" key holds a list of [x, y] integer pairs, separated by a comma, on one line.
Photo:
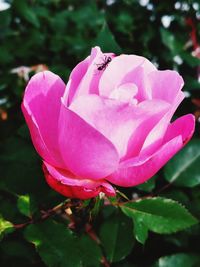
{"points": [[36, 35]]}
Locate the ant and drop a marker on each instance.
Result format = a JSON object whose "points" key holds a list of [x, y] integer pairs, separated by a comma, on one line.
{"points": [[103, 65]]}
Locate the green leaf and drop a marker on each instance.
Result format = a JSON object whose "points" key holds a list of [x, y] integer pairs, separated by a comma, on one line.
{"points": [[5, 227], [89, 253], [23, 204], [179, 260], [140, 230], [26, 205], [159, 215], [26, 12], [170, 41], [106, 40], [58, 246], [183, 169], [19, 163], [116, 237], [97, 206]]}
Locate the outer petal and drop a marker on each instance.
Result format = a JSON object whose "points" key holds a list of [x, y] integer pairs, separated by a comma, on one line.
{"points": [[75, 78], [139, 169], [84, 79], [125, 125], [41, 108], [165, 85], [125, 69], [86, 152], [183, 126], [37, 139], [155, 137], [68, 185]]}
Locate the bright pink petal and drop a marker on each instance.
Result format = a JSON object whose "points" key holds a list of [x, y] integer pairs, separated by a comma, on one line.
{"points": [[41, 108], [86, 152], [155, 137], [68, 185], [36, 137], [183, 126], [165, 85], [75, 78], [139, 169], [153, 112], [90, 81], [84, 79], [124, 69], [120, 121]]}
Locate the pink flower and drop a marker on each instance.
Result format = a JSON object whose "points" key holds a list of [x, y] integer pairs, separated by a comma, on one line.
{"points": [[109, 125]]}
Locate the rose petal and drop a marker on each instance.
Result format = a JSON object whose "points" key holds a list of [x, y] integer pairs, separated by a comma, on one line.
{"points": [[124, 69], [183, 126], [36, 137], [86, 152], [125, 93], [120, 121], [139, 169], [165, 85], [155, 137], [68, 185], [75, 78], [41, 108], [84, 79], [90, 81]]}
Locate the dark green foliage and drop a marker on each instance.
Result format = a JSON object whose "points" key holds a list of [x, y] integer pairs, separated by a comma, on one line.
{"points": [[160, 215], [58, 246], [116, 238], [158, 227], [183, 169]]}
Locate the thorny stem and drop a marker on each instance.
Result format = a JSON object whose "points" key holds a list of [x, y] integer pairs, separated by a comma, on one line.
{"points": [[45, 214], [63, 207], [92, 234]]}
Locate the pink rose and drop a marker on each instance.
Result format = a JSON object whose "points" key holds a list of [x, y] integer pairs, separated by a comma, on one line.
{"points": [[109, 125]]}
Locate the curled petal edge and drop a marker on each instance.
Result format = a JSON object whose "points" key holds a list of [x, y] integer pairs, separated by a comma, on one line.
{"points": [[68, 185], [138, 170]]}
